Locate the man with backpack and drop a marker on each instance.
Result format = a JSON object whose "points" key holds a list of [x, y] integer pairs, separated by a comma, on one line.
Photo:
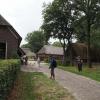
{"points": [[53, 65]]}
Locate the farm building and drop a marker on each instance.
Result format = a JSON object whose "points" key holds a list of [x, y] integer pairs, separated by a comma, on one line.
{"points": [[47, 50], [9, 40], [29, 53], [80, 49]]}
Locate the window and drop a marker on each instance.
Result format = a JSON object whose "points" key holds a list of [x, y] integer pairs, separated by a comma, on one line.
{"points": [[2, 50]]}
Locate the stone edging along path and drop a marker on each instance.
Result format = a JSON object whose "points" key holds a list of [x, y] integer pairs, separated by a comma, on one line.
{"points": [[81, 87]]}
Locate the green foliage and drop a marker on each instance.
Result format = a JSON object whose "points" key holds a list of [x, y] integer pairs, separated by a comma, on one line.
{"points": [[46, 60], [35, 40], [25, 45], [14, 55], [80, 30], [88, 13], [95, 38], [59, 62], [8, 73], [59, 22], [57, 44]]}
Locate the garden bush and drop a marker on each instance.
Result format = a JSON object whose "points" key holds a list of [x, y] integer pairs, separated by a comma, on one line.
{"points": [[8, 73], [46, 60], [59, 62]]}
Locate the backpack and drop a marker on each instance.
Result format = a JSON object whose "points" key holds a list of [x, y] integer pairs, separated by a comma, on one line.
{"points": [[54, 63]]}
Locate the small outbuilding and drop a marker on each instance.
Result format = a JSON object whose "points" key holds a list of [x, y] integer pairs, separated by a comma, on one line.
{"points": [[79, 49], [47, 50], [29, 53]]}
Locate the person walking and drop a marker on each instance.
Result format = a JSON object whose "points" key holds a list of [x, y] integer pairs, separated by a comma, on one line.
{"points": [[26, 60], [53, 65], [38, 61], [79, 63]]}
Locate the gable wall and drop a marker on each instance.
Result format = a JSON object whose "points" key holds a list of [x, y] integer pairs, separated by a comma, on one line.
{"points": [[7, 37]]}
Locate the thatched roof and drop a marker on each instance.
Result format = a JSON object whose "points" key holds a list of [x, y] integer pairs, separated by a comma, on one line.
{"points": [[28, 52], [51, 50], [79, 49], [3, 22]]}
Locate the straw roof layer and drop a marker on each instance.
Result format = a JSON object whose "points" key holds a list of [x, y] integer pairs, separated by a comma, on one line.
{"points": [[51, 50]]}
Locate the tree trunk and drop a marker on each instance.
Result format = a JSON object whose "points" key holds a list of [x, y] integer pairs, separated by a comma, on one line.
{"points": [[65, 57], [88, 34], [88, 48], [70, 53], [64, 51]]}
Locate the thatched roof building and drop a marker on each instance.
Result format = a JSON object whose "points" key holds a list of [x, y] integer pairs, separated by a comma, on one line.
{"points": [[29, 53], [47, 50], [52, 50], [79, 49]]}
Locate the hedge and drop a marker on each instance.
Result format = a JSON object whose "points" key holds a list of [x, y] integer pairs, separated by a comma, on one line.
{"points": [[8, 73]]}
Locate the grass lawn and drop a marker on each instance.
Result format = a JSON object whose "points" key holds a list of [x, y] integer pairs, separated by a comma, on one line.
{"points": [[93, 73], [36, 86]]}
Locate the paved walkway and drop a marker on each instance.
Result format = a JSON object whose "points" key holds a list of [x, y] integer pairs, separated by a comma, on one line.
{"points": [[81, 87]]}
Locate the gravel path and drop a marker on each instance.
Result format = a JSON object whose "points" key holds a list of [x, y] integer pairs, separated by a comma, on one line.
{"points": [[81, 87]]}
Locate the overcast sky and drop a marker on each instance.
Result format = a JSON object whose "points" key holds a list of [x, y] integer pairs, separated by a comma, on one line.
{"points": [[24, 15]]}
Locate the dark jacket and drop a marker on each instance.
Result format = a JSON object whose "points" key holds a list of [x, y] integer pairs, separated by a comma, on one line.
{"points": [[53, 63]]}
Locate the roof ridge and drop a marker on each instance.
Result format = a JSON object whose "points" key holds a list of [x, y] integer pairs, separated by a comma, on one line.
{"points": [[3, 21], [51, 50]]}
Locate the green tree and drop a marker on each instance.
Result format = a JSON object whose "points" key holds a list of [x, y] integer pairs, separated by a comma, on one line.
{"points": [[89, 12], [25, 46], [58, 23], [80, 29], [95, 38], [57, 44], [35, 40]]}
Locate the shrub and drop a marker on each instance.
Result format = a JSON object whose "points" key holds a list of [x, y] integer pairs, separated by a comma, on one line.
{"points": [[8, 73], [46, 60], [14, 55]]}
